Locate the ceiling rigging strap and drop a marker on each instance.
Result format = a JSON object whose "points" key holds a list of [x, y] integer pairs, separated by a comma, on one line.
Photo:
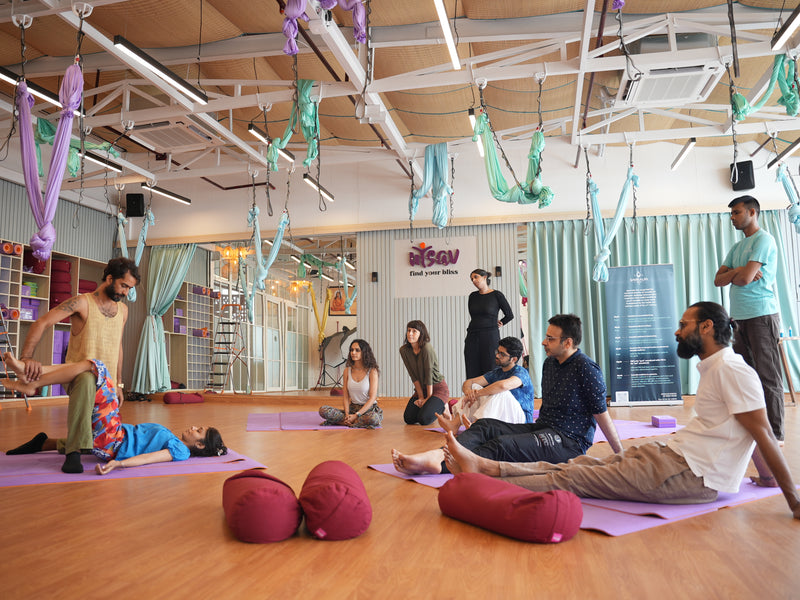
{"points": [[732, 24], [732, 92], [81, 129], [295, 92], [411, 210], [495, 138], [590, 185], [635, 197], [321, 206], [541, 123], [629, 64]]}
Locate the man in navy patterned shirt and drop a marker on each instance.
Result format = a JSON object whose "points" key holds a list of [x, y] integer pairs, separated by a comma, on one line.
{"points": [[573, 401]]}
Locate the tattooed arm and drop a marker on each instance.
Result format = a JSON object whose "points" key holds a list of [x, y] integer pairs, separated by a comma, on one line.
{"points": [[73, 307]]}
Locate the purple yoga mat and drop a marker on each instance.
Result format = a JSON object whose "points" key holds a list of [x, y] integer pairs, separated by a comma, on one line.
{"points": [[309, 420], [434, 481], [747, 492], [617, 523], [45, 467], [264, 422], [627, 430]]}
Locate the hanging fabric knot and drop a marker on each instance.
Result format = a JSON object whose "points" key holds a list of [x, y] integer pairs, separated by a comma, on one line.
{"points": [[295, 9], [43, 240]]}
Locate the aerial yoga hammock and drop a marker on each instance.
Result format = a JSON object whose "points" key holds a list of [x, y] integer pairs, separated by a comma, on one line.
{"points": [[532, 190], [321, 321], [149, 219], [434, 181], [604, 239], [44, 209], [791, 191], [784, 74], [306, 111], [262, 264]]}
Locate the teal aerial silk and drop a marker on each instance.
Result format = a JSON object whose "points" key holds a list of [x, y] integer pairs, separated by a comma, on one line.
{"points": [[149, 219], [349, 297], [533, 190], [45, 133], [794, 207], [783, 75], [604, 239], [262, 265], [306, 111], [434, 181]]}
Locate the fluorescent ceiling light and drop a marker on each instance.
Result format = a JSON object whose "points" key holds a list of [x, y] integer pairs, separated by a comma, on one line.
{"points": [[34, 89], [687, 147], [479, 141], [315, 184], [325, 277], [155, 67], [791, 149], [168, 194], [98, 160], [261, 135], [786, 31], [448, 35], [294, 258]]}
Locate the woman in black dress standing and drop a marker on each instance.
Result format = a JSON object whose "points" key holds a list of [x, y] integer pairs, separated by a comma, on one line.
{"points": [[483, 333]]}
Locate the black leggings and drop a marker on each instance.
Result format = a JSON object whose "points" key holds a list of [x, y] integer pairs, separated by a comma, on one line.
{"points": [[426, 414], [518, 442]]}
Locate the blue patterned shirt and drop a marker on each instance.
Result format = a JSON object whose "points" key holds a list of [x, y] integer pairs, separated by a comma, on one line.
{"points": [[523, 393], [572, 393]]}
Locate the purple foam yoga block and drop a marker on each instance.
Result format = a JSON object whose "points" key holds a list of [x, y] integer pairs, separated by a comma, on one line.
{"points": [[663, 421]]}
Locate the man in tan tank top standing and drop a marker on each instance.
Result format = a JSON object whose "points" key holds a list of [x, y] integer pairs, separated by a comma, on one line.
{"points": [[97, 320]]}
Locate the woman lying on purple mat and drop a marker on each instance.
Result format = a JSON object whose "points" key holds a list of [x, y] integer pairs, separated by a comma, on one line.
{"points": [[118, 444], [360, 391]]}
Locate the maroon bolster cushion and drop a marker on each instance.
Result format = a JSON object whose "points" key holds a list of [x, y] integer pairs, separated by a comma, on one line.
{"points": [[60, 287], [60, 277], [182, 398], [60, 265], [260, 508], [335, 502], [502, 507]]}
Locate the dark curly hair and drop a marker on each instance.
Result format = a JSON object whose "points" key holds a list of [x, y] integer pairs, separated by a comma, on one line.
{"points": [[367, 357], [424, 336], [213, 444]]}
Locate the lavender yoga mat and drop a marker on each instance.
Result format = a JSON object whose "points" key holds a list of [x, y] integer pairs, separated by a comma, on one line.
{"points": [[295, 421], [434, 481], [45, 467], [264, 422]]}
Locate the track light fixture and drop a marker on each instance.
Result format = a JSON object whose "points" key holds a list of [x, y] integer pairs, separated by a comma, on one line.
{"points": [[448, 34], [786, 31], [790, 149], [687, 147], [315, 184], [168, 194], [151, 64], [99, 160]]}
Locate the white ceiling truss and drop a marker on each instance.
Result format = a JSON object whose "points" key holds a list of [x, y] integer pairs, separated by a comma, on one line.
{"points": [[544, 36]]}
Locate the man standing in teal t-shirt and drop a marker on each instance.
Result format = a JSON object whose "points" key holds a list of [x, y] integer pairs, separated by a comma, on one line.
{"points": [[750, 266]]}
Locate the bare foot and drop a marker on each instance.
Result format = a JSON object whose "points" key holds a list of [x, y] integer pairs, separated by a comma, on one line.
{"points": [[447, 421], [764, 481], [424, 463], [465, 422], [15, 365], [18, 385], [460, 460]]}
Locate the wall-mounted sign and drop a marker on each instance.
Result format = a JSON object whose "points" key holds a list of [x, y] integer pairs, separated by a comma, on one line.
{"points": [[437, 267]]}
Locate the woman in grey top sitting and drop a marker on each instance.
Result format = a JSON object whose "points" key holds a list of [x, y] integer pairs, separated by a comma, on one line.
{"points": [[430, 389], [360, 391]]}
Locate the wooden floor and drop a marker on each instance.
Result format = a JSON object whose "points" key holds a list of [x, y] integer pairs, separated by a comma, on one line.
{"points": [[166, 537]]}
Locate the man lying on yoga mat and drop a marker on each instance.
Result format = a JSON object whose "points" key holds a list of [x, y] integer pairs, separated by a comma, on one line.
{"points": [[118, 444], [573, 402], [709, 455]]}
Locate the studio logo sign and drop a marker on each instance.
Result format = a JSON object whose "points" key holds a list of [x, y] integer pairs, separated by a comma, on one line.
{"points": [[426, 256]]}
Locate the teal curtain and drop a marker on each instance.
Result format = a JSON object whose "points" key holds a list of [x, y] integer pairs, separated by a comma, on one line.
{"points": [[560, 258], [165, 275]]}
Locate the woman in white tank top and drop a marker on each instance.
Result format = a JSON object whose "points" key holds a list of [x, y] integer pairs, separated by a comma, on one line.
{"points": [[360, 389]]}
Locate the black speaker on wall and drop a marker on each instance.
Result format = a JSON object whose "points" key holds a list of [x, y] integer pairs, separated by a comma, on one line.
{"points": [[134, 205], [745, 179]]}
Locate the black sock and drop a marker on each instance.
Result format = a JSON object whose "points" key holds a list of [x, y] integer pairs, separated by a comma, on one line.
{"points": [[72, 463], [31, 447]]}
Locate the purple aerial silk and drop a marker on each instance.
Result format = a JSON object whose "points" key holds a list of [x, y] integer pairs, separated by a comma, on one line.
{"points": [[617, 4], [45, 209], [296, 9]]}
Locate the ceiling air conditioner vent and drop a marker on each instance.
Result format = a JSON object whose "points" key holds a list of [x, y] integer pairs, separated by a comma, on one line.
{"points": [[670, 86], [174, 136]]}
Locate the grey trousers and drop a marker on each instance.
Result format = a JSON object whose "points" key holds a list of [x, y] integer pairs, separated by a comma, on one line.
{"points": [[648, 473]]}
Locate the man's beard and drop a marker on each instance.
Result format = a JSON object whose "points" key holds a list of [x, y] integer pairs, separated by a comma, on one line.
{"points": [[113, 295], [689, 346]]}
